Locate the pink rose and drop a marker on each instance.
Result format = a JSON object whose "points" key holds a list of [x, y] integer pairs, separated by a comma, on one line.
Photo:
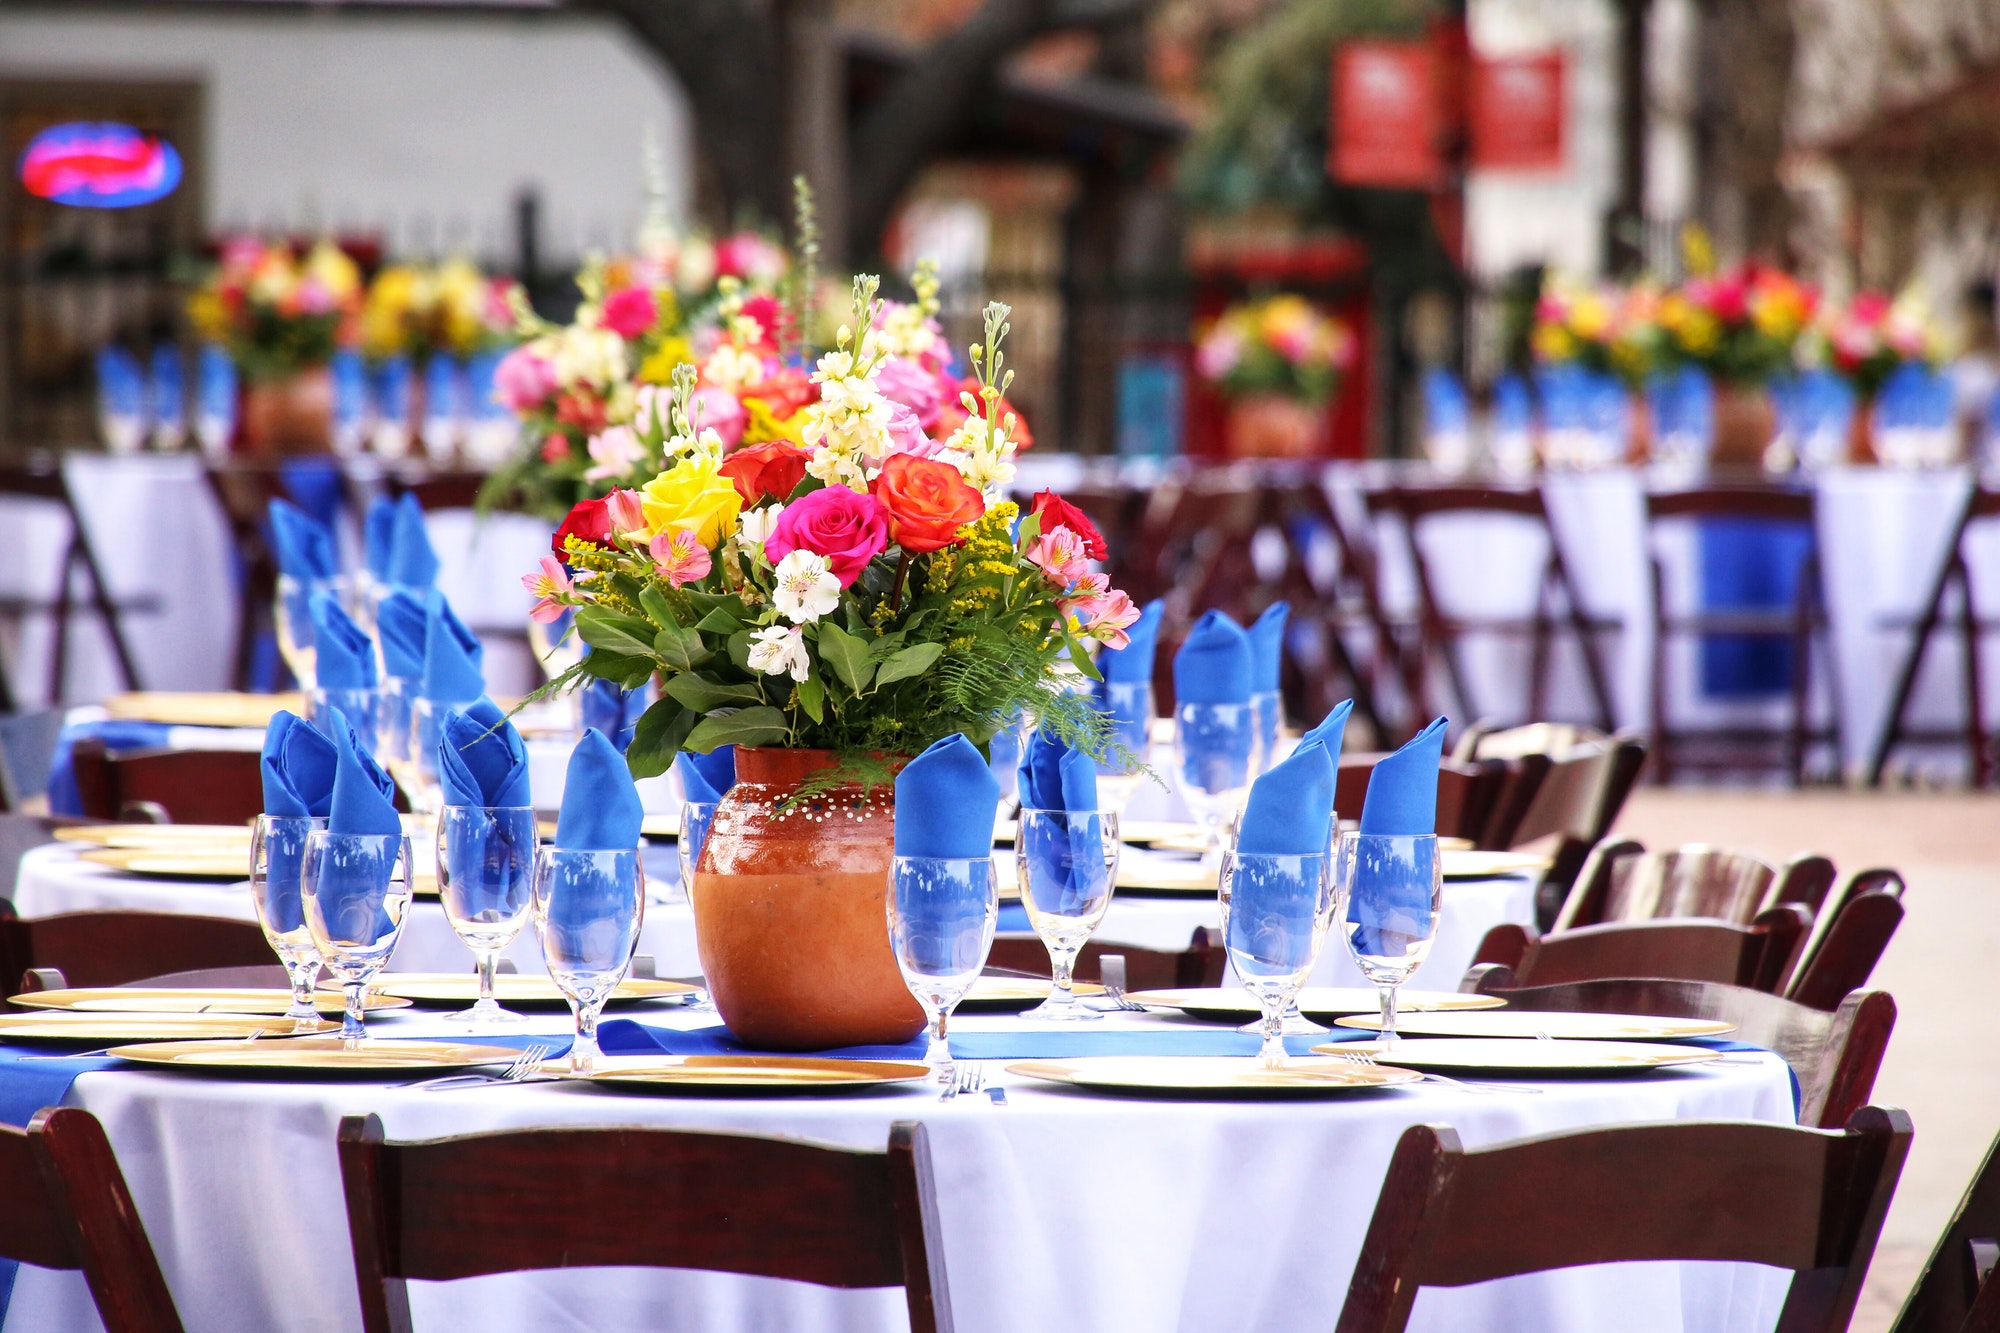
{"points": [[523, 381], [848, 528], [906, 434], [629, 311], [719, 408], [904, 381], [749, 256]]}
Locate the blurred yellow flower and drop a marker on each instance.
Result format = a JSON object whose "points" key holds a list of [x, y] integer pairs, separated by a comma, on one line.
{"points": [[693, 494], [658, 367]]}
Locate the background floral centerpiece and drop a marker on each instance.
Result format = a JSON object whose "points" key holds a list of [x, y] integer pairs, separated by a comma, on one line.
{"points": [[416, 310], [1871, 337], [1278, 361], [278, 312], [1606, 330], [1742, 328]]}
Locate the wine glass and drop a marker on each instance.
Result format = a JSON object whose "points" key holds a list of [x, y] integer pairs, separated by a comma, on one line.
{"points": [[942, 911], [1128, 706], [1274, 914], [394, 699], [362, 707], [485, 866], [292, 618], [417, 770], [1391, 899], [1216, 754], [1270, 706], [697, 817], [277, 862], [589, 906], [1067, 862], [356, 889]]}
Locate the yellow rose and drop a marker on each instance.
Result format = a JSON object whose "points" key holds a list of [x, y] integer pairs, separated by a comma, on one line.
{"points": [[658, 368], [692, 494]]}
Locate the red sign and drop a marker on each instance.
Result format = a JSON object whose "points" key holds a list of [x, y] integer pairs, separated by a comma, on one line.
{"points": [[1517, 112], [1385, 116]]}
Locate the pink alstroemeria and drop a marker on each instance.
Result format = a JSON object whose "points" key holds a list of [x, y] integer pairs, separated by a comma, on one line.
{"points": [[1060, 554], [614, 451], [1101, 611], [628, 517], [679, 558], [551, 585]]}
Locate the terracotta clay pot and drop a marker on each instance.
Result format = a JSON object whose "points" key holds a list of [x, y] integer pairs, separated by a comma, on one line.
{"points": [[1270, 425], [790, 910], [1861, 431], [292, 415], [1746, 421]]}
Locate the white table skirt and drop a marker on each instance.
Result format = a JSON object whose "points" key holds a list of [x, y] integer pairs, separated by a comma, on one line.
{"points": [[1061, 1210]]}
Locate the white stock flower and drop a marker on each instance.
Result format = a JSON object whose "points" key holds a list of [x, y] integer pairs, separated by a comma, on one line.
{"points": [[589, 356], [806, 588], [780, 649], [733, 368]]}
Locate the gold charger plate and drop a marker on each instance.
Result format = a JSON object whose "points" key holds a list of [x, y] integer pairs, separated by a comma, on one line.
{"points": [[162, 837], [317, 1055], [1505, 1055], [169, 863], [456, 988], [1213, 1076], [62, 1025], [747, 1075], [1006, 994], [1469, 864], [1232, 1004], [169, 1000], [221, 708], [1516, 1024]]}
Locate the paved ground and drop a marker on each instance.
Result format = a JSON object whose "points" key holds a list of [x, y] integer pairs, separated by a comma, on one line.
{"points": [[1943, 967]]}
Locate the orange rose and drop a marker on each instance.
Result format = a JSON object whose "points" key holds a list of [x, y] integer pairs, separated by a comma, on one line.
{"points": [[773, 468], [927, 502]]}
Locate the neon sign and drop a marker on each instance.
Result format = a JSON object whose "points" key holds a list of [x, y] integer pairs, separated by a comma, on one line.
{"points": [[99, 164]]}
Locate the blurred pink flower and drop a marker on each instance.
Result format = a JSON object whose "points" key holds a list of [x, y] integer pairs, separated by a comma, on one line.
{"points": [[906, 434], [748, 255], [523, 380], [718, 408], [629, 311], [902, 380], [1218, 354], [613, 452]]}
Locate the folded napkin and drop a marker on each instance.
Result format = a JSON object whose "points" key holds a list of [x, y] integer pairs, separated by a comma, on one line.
{"points": [[615, 710], [364, 797], [1055, 777], [1267, 645], [298, 766], [600, 806], [343, 657], [1330, 731], [302, 548], [1403, 787], [705, 777], [1215, 665], [1134, 662], [945, 802], [401, 623], [481, 758], [453, 658], [378, 536], [412, 562], [1290, 812]]}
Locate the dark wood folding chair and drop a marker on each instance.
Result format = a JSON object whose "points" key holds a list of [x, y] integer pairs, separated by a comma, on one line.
{"points": [[439, 490], [1854, 932], [666, 1198], [179, 786], [1440, 632], [1834, 1055], [1809, 1200], [1200, 964], [1759, 956], [43, 479], [66, 1206], [1803, 625], [111, 948], [1954, 1292], [1621, 881], [1466, 792]]}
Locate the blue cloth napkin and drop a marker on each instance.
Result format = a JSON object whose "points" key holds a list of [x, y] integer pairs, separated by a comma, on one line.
{"points": [[1134, 662], [302, 547], [401, 624], [1267, 647], [364, 797], [600, 806], [412, 562], [614, 710], [453, 658], [343, 657], [378, 536], [1403, 787], [945, 801], [705, 777], [1055, 777], [1331, 730], [624, 1036], [1290, 812], [299, 764], [1216, 664], [482, 759]]}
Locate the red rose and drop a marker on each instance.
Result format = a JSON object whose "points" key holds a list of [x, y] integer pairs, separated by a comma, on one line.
{"points": [[588, 521], [630, 312], [581, 410], [773, 468], [927, 502], [1057, 512]]}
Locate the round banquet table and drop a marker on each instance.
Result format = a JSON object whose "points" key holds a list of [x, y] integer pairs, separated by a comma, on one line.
{"points": [[1059, 1210]]}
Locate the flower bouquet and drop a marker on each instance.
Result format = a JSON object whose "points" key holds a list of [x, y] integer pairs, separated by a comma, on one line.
{"points": [[416, 310], [278, 312], [1742, 328], [1609, 331], [1871, 337], [1279, 345]]}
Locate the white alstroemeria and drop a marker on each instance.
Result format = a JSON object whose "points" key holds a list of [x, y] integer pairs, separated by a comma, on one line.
{"points": [[806, 588], [759, 524], [780, 649]]}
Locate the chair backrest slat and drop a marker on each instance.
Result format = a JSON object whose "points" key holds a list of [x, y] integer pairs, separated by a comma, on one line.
{"points": [[192, 786], [1689, 881], [1756, 956], [111, 948], [1855, 932]]}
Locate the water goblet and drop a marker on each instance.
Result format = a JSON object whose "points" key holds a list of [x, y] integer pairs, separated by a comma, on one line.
{"points": [[697, 817], [589, 906], [1391, 895], [942, 911], [277, 862], [1067, 861], [356, 888], [292, 617], [395, 697], [485, 869], [1270, 706], [1274, 915], [417, 772], [1128, 706], [362, 707], [1216, 754]]}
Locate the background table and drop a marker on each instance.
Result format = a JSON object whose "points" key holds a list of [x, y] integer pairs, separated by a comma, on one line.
{"points": [[1061, 1210]]}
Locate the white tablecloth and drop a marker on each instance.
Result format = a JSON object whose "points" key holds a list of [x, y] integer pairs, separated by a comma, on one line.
{"points": [[1061, 1210]]}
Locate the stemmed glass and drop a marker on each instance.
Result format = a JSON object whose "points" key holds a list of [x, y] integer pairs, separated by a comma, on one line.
{"points": [[942, 911], [292, 617], [417, 770], [362, 707], [589, 906], [1391, 900], [485, 868], [356, 888], [394, 699], [1067, 862], [697, 817], [277, 862], [1274, 914], [1217, 751], [1128, 705], [1270, 706]]}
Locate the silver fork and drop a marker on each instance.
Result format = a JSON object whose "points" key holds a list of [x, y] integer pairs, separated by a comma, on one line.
{"points": [[1366, 1058], [524, 1067], [1116, 998], [971, 1076]]}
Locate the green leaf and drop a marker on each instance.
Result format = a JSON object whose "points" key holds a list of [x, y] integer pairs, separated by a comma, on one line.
{"points": [[1079, 657], [680, 649], [812, 697], [658, 607], [739, 649], [847, 654], [911, 661], [705, 695], [762, 725], [1029, 529], [657, 738], [719, 621], [630, 671], [614, 633]]}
